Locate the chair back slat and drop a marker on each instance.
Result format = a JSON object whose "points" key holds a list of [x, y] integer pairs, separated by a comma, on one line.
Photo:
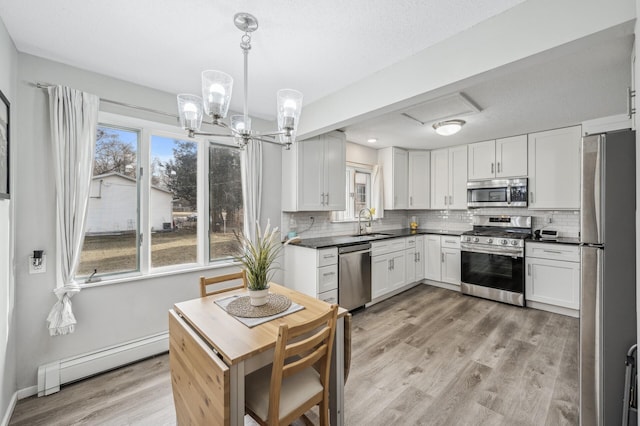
{"points": [[220, 283], [307, 361]]}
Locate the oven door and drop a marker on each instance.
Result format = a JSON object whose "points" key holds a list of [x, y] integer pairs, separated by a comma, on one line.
{"points": [[494, 275]]}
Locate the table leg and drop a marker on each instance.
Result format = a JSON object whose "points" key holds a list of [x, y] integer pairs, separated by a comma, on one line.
{"points": [[236, 397], [336, 383]]}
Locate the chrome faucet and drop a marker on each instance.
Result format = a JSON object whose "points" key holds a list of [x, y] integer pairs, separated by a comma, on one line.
{"points": [[360, 217]]}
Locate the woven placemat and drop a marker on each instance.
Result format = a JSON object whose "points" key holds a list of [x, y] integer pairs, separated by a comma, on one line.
{"points": [[241, 307]]}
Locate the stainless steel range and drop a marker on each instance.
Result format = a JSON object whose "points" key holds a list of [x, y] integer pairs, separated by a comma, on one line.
{"points": [[493, 258]]}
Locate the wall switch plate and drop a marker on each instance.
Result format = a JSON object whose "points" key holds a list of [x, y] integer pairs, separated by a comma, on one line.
{"points": [[40, 269]]}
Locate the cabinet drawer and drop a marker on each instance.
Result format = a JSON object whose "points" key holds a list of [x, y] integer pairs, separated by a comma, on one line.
{"points": [[553, 251], [399, 244], [330, 296], [450, 241], [328, 256], [380, 247], [410, 242], [327, 278]]}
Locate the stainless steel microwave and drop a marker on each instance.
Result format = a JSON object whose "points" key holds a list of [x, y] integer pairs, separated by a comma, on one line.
{"points": [[497, 193]]}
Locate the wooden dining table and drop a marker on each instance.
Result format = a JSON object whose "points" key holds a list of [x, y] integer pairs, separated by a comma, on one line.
{"points": [[211, 352]]}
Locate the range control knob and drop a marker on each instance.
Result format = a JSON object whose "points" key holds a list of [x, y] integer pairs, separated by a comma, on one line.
{"points": [[468, 239], [514, 242], [490, 241], [504, 242], [476, 239]]}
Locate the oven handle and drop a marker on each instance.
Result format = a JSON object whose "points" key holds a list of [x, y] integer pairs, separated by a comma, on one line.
{"points": [[500, 251]]}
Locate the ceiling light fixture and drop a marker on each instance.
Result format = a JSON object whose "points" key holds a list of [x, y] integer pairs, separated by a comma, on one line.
{"points": [[449, 127], [216, 92], [372, 140]]}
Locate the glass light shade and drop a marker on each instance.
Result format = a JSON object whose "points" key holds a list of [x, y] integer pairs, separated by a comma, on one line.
{"points": [[289, 108], [190, 110], [238, 123], [216, 92], [448, 128]]}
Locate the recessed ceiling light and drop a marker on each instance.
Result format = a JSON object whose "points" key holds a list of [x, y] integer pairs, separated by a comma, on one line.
{"points": [[372, 140], [449, 127]]}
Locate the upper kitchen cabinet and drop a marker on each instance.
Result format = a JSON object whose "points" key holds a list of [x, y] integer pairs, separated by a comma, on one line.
{"points": [[500, 158], [314, 173], [449, 178], [554, 169], [395, 174], [419, 165]]}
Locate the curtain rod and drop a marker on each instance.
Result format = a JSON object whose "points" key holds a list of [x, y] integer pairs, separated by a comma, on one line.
{"points": [[109, 101]]}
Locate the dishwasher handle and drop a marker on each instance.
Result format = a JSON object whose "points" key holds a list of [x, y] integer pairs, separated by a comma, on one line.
{"points": [[355, 248], [349, 253]]}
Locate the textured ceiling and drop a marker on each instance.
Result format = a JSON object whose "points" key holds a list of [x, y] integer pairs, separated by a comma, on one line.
{"points": [[317, 47]]}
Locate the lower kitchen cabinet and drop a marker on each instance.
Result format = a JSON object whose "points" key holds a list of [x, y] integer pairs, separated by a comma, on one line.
{"points": [[442, 253], [322, 283], [552, 281], [388, 272]]}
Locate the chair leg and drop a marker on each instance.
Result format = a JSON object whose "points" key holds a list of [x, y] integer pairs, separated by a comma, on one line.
{"points": [[324, 412]]}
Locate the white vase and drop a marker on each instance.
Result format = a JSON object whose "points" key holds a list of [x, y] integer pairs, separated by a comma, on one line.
{"points": [[258, 297]]}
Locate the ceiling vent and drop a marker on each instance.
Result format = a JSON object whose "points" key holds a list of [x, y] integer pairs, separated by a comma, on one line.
{"points": [[438, 109]]}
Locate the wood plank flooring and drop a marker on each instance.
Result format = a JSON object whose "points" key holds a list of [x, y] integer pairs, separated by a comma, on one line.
{"points": [[428, 356]]}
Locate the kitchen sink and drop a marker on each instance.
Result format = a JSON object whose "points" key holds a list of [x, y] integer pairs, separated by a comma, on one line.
{"points": [[372, 235]]}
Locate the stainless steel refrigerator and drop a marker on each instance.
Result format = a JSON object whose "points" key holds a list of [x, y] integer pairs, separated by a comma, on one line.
{"points": [[608, 291]]}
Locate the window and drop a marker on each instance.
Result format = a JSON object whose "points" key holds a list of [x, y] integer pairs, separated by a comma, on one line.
{"points": [[225, 201], [141, 222], [357, 193]]}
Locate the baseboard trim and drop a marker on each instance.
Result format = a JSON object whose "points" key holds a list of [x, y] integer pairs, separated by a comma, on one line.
{"points": [[12, 405], [443, 285], [27, 392], [392, 293], [59, 372], [552, 308]]}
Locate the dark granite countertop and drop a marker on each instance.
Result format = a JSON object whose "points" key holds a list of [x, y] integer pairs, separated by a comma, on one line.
{"points": [[559, 240], [346, 240]]}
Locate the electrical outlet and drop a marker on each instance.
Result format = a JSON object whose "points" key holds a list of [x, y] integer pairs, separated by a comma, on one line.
{"points": [[311, 218], [38, 266]]}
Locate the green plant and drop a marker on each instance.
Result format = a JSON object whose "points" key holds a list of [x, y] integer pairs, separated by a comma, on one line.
{"points": [[259, 257]]}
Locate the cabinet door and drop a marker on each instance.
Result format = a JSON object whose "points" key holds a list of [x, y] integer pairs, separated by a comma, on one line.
{"points": [[439, 179], [334, 172], [380, 266], [458, 178], [400, 178], [482, 160], [311, 193], [410, 259], [451, 266], [433, 260], [419, 165], [554, 169], [511, 157], [398, 271], [419, 258], [553, 282]]}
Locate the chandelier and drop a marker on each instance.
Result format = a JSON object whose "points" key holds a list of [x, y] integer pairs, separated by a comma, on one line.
{"points": [[216, 95]]}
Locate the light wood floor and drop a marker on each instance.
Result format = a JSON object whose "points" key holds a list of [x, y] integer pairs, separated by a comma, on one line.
{"points": [[426, 357]]}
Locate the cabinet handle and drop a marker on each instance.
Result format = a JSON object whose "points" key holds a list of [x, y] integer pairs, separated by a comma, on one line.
{"points": [[418, 254], [531, 197], [450, 242], [450, 199], [328, 256], [529, 269], [552, 251], [442, 257], [326, 203], [326, 274], [498, 167], [491, 167], [411, 200], [445, 200], [322, 199]]}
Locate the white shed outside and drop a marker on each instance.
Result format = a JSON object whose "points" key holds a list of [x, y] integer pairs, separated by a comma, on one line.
{"points": [[113, 205]]}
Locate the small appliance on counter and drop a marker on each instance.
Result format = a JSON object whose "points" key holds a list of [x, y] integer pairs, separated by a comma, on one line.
{"points": [[546, 234]]}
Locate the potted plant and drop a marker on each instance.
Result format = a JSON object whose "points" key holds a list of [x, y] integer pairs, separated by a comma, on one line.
{"points": [[259, 260]]}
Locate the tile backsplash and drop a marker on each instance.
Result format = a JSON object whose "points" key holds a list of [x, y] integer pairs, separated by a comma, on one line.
{"points": [[566, 222]]}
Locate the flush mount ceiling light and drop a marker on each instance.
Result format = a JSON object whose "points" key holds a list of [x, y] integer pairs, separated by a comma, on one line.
{"points": [[449, 127], [216, 92], [372, 140]]}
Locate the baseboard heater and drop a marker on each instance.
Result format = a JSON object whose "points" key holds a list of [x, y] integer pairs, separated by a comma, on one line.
{"points": [[54, 374]]}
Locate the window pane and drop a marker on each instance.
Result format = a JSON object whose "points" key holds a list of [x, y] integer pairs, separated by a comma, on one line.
{"points": [[174, 200], [225, 201], [111, 242]]}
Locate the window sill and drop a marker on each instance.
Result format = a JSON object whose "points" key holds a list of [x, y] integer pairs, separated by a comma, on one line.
{"points": [[157, 274]]}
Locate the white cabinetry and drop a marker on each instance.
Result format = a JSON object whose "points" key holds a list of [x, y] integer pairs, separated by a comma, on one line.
{"points": [[388, 270], [442, 253], [419, 165], [500, 158], [395, 175], [322, 282], [449, 178], [313, 174], [414, 258], [552, 280], [554, 169]]}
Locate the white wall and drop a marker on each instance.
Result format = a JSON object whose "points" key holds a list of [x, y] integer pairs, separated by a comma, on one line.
{"points": [[110, 314], [361, 154], [8, 81]]}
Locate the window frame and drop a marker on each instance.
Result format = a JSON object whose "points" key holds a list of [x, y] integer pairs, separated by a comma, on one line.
{"points": [[146, 130], [351, 169]]}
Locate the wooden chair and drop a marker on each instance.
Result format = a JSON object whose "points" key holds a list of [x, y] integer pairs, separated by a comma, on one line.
{"points": [[205, 282], [282, 392]]}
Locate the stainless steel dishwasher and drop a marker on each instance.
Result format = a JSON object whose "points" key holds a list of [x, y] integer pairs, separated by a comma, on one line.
{"points": [[354, 275]]}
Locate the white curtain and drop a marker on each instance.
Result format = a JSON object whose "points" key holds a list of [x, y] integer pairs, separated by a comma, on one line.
{"points": [[252, 186], [74, 116], [378, 192]]}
